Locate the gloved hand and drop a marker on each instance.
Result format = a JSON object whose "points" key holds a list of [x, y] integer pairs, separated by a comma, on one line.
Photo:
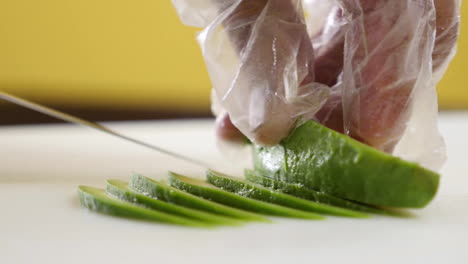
{"points": [[366, 68]]}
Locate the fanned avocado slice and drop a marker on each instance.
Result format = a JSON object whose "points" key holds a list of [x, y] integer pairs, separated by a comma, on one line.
{"points": [[97, 200], [319, 158], [254, 191], [120, 190], [164, 192], [208, 191], [305, 193]]}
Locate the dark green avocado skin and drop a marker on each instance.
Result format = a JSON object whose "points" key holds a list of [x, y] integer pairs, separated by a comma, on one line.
{"points": [[321, 159]]}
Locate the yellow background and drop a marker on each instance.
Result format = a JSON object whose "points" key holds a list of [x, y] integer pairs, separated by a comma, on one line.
{"points": [[125, 54]]}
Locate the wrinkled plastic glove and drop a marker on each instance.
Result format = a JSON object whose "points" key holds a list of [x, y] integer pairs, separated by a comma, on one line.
{"points": [[366, 68]]}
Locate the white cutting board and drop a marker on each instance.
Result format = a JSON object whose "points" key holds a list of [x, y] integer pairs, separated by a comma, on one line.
{"points": [[41, 220]]}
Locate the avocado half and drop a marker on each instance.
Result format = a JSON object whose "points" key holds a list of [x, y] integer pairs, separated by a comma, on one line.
{"points": [[322, 159]]}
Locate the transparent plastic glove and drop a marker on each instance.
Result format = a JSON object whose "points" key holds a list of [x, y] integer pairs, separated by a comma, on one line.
{"points": [[260, 59], [385, 95], [380, 58]]}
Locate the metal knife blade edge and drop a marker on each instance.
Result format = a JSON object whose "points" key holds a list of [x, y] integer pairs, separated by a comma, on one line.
{"points": [[76, 120]]}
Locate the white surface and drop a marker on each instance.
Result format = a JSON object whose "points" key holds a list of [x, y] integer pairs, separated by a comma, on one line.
{"points": [[41, 221]]}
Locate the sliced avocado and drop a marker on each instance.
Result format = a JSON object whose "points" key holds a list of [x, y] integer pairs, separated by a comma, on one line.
{"points": [[254, 191], [120, 190], [319, 158], [164, 192], [97, 200], [304, 193], [210, 192]]}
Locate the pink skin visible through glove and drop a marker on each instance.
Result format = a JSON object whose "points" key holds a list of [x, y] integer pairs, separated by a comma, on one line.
{"points": [[379, 117]]}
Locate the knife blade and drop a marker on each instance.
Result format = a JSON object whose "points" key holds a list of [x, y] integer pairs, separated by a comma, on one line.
{"points": [[76, 120]]}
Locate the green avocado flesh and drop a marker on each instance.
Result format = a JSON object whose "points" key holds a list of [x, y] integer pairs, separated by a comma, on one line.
{"points": [[309, 194], [120, 190], [254, 191], [164, 192], [97, 200], [321, 159], [210, 192]]}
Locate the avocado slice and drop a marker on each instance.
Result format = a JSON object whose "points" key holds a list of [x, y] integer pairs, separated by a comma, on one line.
{"points": [[120, 190], [254, 191], [319, 158], [164, 192], [97, 200], [208, 191], [309, 194]]}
